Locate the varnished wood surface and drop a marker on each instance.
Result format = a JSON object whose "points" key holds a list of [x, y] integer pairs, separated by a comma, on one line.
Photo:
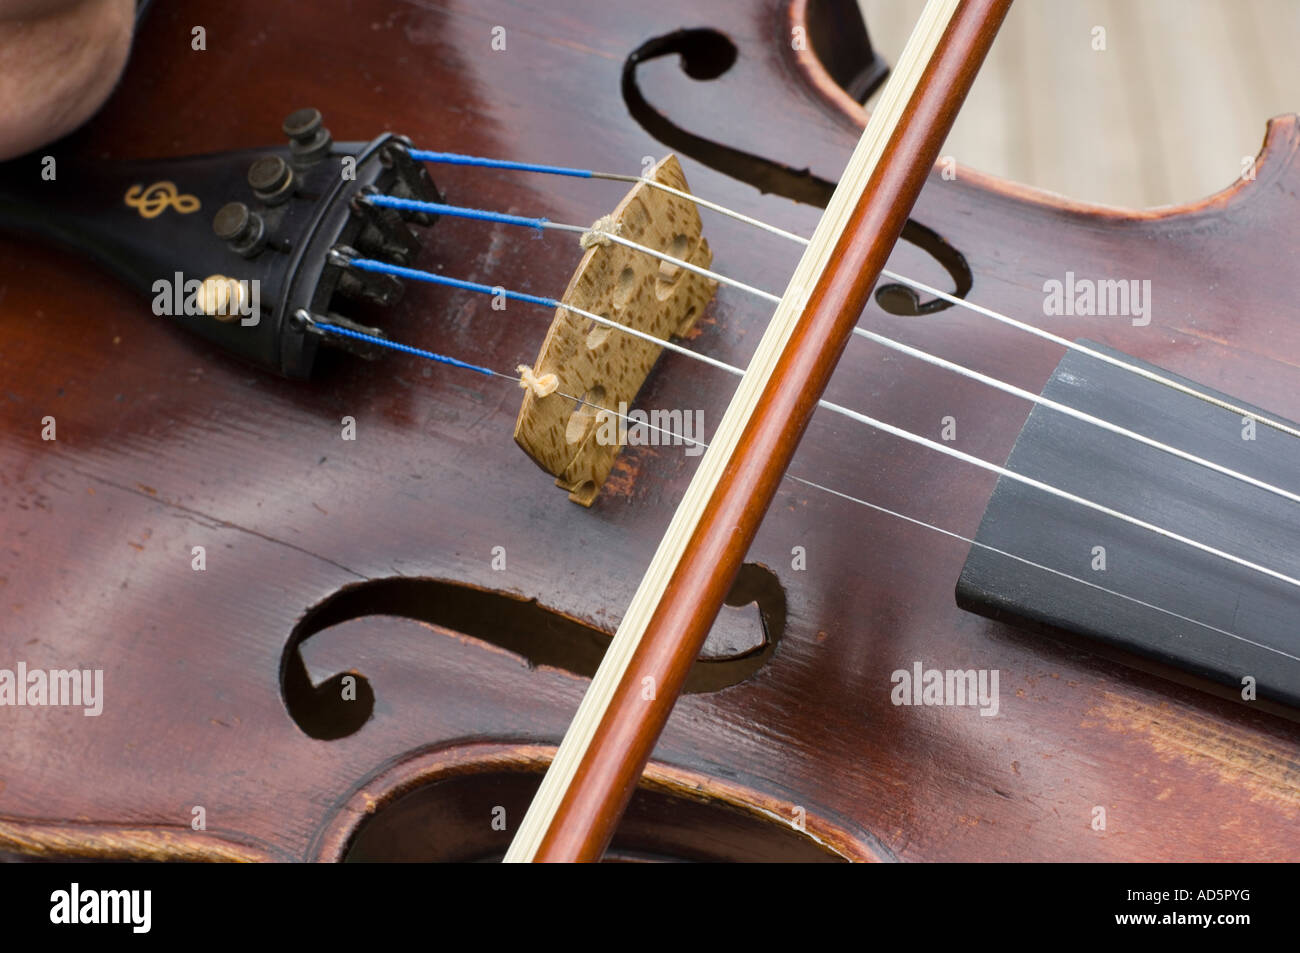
{"points": [[163, 446]]}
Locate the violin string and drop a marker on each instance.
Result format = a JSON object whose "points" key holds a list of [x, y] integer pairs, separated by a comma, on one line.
{"points": [[598, 232], [1155, 377], [328, 328], [962, 371], [341, 257], [451, 158], [1055, 491], [595, 232], [456, 158], [400, 271], [1036, 565]]}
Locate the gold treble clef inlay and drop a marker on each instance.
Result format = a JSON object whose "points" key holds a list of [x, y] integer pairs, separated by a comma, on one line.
{"points": [[156, 199]]}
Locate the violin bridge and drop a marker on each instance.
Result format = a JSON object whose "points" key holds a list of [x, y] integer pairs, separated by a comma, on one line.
{"points": [[600, 364]]}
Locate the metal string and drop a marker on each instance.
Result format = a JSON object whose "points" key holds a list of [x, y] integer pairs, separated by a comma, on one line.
{"points": [[327, 328], [339, 256], [543, 224], [483, 162]]}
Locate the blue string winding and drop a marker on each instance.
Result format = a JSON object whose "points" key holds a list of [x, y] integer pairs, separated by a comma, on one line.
{"points": [[415, 274], [455, 158]]}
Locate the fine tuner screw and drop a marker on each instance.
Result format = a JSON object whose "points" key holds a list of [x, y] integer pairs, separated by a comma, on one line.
{"points": [[241, 228], [309, 140], [271, 179]]}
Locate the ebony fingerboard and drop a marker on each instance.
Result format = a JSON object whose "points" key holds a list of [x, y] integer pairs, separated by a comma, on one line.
{"points": [[1142, 570]]}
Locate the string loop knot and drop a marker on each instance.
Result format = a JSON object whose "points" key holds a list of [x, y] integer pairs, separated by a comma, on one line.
{"points": [[541, 386], [600, 231]]}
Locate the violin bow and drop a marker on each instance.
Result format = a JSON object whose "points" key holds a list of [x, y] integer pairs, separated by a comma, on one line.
{"points": [[605, 750]]}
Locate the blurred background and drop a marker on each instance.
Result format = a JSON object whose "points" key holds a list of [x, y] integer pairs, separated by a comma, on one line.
{"points": [[1163, 114]]}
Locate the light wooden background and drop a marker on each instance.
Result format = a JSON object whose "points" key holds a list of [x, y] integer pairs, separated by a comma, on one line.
{"points": [[1163, 115]]}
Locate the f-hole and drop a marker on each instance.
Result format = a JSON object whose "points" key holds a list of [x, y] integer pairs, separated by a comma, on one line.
{"points": [[743, 638], [705, 54]]}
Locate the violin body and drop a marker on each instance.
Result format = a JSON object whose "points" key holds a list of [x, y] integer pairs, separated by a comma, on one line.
{"points": [[431, 569]]}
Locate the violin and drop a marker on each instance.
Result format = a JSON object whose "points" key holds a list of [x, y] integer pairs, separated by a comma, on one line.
{"points": [[976, 546]]}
